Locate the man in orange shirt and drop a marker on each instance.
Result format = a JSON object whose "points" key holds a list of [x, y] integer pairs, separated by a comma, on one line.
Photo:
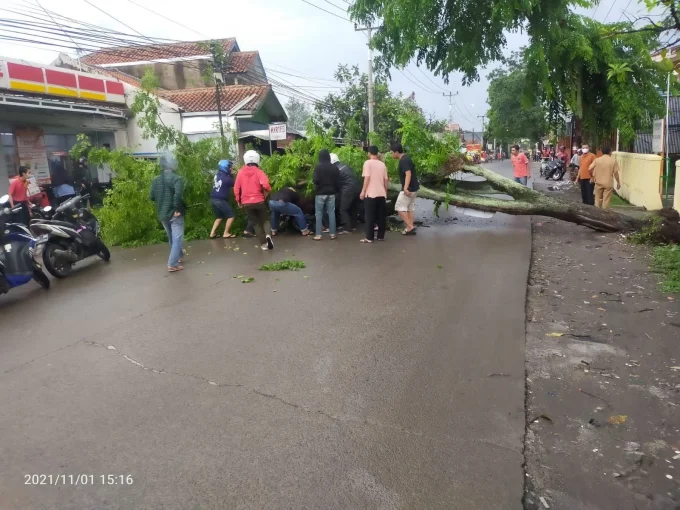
{"points": [[583, 177]]}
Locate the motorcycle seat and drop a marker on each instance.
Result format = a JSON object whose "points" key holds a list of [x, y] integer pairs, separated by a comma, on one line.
{"points": [[56, 223]]}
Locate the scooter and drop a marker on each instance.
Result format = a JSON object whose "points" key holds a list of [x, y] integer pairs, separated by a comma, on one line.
{"points": [[19, 252], [73, 235], [555, 170]]}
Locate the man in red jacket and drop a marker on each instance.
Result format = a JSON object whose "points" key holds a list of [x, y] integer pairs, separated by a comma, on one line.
{"points": [[250, 190]]}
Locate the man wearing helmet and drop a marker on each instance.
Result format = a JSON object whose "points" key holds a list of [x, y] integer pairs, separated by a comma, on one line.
{"points": [[250, 188], [219, 198]]}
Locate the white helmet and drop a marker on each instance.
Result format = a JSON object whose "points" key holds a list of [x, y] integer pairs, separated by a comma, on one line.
{"points": [[334, 158], [251, 157]]}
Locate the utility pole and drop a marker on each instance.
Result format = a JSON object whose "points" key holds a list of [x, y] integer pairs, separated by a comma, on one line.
{"points": [[218, 75], [450, 95], [371, 101], [483, 130]]}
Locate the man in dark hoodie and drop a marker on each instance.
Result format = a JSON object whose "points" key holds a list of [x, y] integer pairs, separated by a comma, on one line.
{"points": [[350, 187], [327, 182]]}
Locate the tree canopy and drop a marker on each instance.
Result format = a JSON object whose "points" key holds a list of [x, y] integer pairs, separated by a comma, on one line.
{"points": [[346, 112], [574, 64], [511, 117], [298, 113]]}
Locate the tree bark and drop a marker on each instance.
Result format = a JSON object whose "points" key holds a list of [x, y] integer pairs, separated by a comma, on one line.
{"points": [[526, 201]]}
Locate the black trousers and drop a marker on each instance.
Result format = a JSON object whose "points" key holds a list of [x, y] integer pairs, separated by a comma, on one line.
{"points": [[258, 216], [587, 191], [349, 209], [376, 213]]}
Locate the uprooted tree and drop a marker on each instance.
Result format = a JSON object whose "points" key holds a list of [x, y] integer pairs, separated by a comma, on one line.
{"points": [[128, 218]]}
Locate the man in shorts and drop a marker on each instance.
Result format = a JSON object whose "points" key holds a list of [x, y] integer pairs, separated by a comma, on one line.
{"points": [[406, 201]]}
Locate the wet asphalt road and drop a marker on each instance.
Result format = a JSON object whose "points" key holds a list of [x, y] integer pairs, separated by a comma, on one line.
{"points": [[362, 381]]}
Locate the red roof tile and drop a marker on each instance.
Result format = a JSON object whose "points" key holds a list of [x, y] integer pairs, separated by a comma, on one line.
{"points": [[152, 52], [204, 100], [240, 61]]}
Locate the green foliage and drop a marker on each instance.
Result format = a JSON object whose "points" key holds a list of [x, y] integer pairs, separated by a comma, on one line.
{"points": [[667, 262], [128, 216], [510, 117], [283, 265], [346, 112], [568, 60], [428, 151], [647, 234]]}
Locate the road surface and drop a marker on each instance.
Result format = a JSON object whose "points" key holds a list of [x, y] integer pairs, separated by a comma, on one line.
{"points": [[386, 376]]}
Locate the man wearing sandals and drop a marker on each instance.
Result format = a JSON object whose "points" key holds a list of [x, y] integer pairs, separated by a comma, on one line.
{"points": [[166, 194], [374, 195], [406, 201]]}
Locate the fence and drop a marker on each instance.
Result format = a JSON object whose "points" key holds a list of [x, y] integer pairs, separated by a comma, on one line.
{"points": [[641, 176]]}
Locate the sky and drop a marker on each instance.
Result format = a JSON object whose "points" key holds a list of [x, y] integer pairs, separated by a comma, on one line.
{"points": [[292, 36]]}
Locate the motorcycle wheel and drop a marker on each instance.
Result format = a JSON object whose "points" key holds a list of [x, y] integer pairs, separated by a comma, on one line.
{"points": [[557, 176], [41, 279], [55, 269], [104, 252]]}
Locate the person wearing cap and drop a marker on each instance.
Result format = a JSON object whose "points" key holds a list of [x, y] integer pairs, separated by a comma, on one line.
{"points": [[219, 198], [166, 194]]}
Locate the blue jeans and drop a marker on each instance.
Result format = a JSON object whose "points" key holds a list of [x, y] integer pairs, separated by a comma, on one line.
{"points": [[326, 202], [521, 180], [279, 207], [174, 227]]}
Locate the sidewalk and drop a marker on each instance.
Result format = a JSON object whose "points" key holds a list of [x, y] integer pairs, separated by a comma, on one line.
{"points": [[603, 390]]}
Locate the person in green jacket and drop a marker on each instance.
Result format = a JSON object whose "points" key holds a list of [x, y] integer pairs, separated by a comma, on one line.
{"points": [[166, 194]]}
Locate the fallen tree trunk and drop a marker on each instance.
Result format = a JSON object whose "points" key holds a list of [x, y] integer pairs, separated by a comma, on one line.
{"points": [[526, 201]]}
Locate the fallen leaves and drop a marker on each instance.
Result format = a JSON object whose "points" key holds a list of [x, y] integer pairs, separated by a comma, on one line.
{"points": [[618, 419], [554, 334]]}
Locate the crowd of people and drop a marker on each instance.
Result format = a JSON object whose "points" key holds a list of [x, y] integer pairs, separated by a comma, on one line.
{"points": [[341, 200], [594, 175]]}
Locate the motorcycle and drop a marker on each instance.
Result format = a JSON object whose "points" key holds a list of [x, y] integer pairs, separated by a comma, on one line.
{"points": [[73, 234], [19, 252], [555, 170]]}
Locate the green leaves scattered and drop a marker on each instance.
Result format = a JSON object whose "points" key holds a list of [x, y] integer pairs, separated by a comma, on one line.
{"points": [[244, 279], [283, 265], [439, 266]]}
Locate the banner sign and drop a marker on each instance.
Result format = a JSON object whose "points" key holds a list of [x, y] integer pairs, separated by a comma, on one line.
{"points": [[32, 154], [277, 132]]}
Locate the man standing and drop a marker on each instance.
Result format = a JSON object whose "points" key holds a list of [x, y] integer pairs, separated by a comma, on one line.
{"points": [[166, 194], [18, 195], [520, 165], [406, 201], [374, 194], [327, 181], [603, 171], [583, 176], [349, 195]]}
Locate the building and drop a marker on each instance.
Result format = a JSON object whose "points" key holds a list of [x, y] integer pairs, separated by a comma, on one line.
{"points": [[44, 108]]}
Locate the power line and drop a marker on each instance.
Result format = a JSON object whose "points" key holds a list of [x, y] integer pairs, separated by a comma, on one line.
{"points": [[336, 6], [325, 10], [610, 10], [116, 19], [170, 20], [431, 80]]}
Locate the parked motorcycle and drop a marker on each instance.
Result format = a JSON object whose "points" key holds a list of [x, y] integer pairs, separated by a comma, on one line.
{"points": [[555, 170], [19, 252], [73, 235]]}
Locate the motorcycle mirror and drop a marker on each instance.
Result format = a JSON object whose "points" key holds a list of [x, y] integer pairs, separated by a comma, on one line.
{"points": [[4, 199]]}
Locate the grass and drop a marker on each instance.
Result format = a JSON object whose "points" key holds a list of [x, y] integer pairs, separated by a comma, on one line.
{"points": [[667, 262], [617, 201], [283, 265]]}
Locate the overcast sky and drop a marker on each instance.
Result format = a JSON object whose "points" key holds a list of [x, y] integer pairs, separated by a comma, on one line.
{"points": [[291, 36]]}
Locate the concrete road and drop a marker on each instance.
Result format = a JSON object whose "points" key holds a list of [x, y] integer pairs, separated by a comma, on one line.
{"points": [[386, 376]]}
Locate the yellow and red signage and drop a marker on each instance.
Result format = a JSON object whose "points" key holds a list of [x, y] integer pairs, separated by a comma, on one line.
{"points": [[51, 81]]}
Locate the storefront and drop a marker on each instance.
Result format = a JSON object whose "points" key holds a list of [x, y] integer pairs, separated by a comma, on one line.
{"points": [[43, 109]]}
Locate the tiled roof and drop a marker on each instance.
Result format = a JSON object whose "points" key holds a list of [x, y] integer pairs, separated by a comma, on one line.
{"points": [[124, 77], [152, 52], [204, 100], [240, 61]]}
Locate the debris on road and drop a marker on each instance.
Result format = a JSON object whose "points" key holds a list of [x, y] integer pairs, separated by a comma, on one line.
{"points": [[545, 503]]}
